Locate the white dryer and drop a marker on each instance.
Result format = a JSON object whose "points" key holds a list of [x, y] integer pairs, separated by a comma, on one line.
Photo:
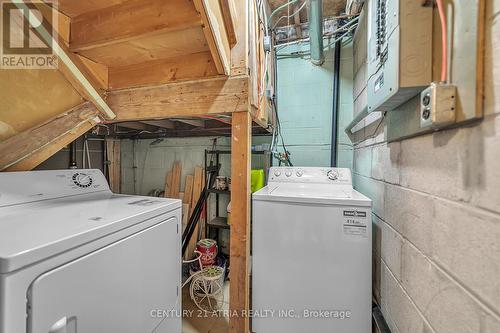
{"points": [[311, 253], [75, 257]]}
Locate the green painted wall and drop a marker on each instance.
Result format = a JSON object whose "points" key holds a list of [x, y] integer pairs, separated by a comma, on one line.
{"points": [[305, 99]]}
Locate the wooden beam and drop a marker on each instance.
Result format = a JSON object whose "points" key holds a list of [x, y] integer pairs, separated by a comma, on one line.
{"points": [[100, 72], [239, 52], [192, 122], [297, 22], [70, 65], [63, 21], [139, 126], [215, 33], [239, 296], [168, 124], [113, 151], [186, 67], [176, 180], [227, 15], [183, 99], [129, 21], [30, 148]]}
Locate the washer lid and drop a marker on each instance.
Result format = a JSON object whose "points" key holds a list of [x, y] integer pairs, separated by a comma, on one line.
{"points": [[36, 231], [312, 193]]}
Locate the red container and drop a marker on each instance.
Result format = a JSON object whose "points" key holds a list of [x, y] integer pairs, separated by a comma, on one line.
{"points": [[208, 250]]}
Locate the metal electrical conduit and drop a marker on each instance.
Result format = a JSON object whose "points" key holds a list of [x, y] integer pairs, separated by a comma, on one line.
{"points": [[336, 102]]}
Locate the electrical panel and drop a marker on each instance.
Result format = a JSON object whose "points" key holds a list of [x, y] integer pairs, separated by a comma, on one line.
{"points": [[399, 51]]}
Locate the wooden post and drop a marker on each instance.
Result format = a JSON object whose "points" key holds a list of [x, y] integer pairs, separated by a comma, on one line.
{"points": [[239, 298]]}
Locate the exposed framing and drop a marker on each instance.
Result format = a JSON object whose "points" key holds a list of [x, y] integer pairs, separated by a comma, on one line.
{"points": [[159, 106], [239, 291], [28, 149]]}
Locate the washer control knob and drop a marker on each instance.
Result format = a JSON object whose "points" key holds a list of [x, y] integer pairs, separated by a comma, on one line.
{"points": [[288, 173], [299, 173], [333, 175], [82, 180], [277, 173]]}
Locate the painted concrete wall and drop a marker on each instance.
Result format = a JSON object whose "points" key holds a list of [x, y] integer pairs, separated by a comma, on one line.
{"points": [[305, 98], [152, 161], [62, 158], [436, 201], [344, 145]]}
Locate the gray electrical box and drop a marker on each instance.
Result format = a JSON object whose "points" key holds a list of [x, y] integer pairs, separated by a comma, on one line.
{"points": [[399, 51], [438, 105]]}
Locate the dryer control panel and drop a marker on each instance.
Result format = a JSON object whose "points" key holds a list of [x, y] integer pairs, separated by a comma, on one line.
{"points": [[340, 176], [23, 187]]}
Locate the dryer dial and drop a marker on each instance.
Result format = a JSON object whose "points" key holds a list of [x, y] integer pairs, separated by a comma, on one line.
{"points": [[82, 180], [333, 175]]}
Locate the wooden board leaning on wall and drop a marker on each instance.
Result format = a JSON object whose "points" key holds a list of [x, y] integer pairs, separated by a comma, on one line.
{"points": [[193, 186]]}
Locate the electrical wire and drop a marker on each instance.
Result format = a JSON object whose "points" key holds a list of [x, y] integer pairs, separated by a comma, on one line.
{"points": [[374, 134], [326, 47], [260, 10], [280, 8], [346, 29], [347, 26], [280, 134], [291, 15], [444, 40]]}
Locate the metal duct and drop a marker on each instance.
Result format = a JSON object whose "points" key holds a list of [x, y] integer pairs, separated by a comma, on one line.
{"points": [[316, 32]]}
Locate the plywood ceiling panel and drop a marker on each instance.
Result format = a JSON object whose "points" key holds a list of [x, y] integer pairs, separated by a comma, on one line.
{"points": [[185, 67], [155, 47], [131, 20], [31, 97]]}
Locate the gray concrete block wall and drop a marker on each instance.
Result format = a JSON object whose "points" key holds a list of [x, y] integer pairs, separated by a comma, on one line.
{"points": [[436, 217]]}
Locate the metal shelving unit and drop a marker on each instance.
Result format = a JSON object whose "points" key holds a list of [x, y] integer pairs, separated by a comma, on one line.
{"points": [[220, 222]]}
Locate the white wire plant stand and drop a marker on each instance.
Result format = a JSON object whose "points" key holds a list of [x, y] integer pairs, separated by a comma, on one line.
{"points": [[206, 286]]}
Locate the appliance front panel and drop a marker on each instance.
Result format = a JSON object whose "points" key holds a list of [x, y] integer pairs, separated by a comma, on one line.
{"points": [[119, 288], [310, 260], [311, 175], [30, 186]]}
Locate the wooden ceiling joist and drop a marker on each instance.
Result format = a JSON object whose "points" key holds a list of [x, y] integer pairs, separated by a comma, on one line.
{"points": [[73, 68], [192, 122], [100, 73], [215, 33], [227, 15], [164, 123], [138, 126], [130, 20], [186, 67], [149, 48], [30, 148], [182, 99], [297, 21]]}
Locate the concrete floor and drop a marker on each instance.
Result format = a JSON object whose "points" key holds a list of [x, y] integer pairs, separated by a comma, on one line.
{"points": [[201, 324]]}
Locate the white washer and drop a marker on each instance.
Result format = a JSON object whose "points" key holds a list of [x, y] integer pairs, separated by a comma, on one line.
{"points": [[75, 257], [311, 253]]}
